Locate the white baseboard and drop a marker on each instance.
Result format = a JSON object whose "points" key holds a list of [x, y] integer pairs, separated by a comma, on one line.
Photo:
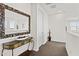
{"points": [[36, 49], [67, 49], [45, 42]]}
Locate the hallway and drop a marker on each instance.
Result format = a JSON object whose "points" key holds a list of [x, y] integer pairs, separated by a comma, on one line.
{"points": [[36, 21], [50, 49]]}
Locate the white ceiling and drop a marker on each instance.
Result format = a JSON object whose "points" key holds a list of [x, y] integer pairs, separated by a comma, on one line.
{"points": [[69, 9]]}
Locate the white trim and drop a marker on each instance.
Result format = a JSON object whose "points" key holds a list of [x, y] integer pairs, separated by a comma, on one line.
{"points": [[36, 49]]}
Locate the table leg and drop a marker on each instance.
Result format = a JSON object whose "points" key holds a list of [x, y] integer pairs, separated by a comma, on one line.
{"points": [[2, 52], [12, 52]]}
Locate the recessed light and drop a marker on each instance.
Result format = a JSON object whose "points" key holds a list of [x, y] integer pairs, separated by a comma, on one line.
{"points": [[60, 11], [53, 6], [48, 3]]}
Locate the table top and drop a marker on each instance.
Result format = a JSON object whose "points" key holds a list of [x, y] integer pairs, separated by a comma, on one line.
{"points": [[16, 43]]}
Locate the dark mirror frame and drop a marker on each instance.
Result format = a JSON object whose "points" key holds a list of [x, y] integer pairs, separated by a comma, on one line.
{"points": [[2, 20]]}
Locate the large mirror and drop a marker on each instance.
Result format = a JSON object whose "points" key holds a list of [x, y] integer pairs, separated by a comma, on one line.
{"points": [[15, 22]]}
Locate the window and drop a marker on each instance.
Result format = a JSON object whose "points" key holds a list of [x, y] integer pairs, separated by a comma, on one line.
{"points": [[74, 25]]}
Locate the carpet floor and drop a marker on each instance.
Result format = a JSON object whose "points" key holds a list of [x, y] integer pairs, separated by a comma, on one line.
{"points": [[49, 49]]}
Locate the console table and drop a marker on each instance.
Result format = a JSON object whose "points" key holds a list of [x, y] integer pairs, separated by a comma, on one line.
{"points": [[15, 44]]}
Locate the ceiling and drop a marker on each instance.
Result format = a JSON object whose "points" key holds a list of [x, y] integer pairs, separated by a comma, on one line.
{"points": [[69, 9]]}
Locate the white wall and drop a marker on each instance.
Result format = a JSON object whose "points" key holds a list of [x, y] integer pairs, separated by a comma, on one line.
{"points": [[72, 40], [34, 25], [24, 7], [46, 27], [57, 27], [72, 44]]}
